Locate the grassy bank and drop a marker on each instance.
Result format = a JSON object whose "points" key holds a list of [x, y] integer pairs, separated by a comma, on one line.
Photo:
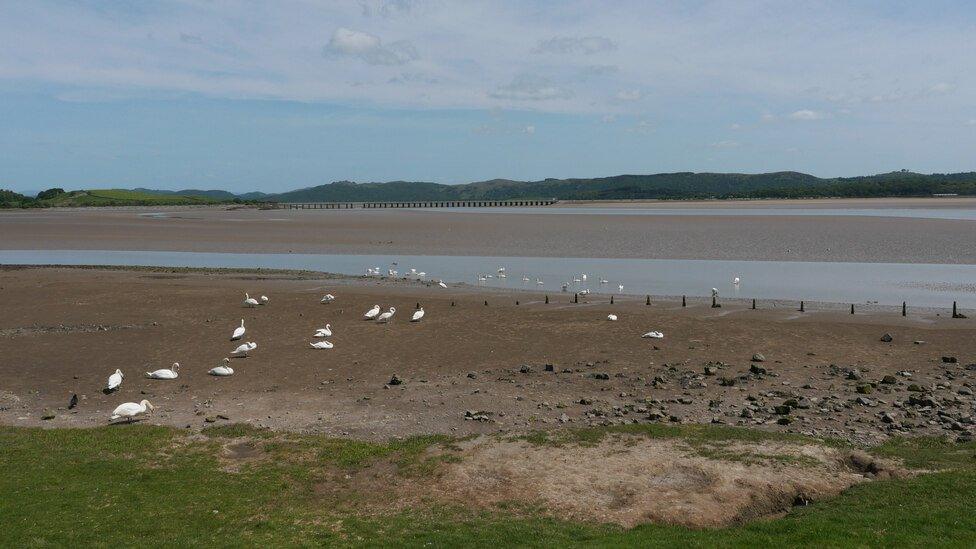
{"points": [[154, 486]]}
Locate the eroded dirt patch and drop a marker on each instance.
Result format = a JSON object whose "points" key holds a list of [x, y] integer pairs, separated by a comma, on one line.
{"points": [[631, 480]]}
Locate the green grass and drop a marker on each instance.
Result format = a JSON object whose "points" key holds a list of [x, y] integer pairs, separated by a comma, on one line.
{"points": [[120, 197], [156, 487]]}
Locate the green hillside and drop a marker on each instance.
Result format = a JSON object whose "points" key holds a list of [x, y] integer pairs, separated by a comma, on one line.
{"points": [[119, 197]]}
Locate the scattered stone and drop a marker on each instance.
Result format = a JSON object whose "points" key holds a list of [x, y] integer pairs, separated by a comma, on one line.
{"points": [[784, 421], [757, 370], [864, 389], [711, 370], [600, 375], [475, 415], [550, 368], [949, 360], [525, 369], [395, 380], [48, 414], [915, 388], [887, 338], [854, 374], [758, 357], [889, 380]]}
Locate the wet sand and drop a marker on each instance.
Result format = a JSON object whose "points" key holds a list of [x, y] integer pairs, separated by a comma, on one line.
{"points": [[64, 331], [411, 232]]}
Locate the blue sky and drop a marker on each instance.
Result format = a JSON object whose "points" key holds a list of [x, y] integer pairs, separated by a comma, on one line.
{"points": [[278, 95]]}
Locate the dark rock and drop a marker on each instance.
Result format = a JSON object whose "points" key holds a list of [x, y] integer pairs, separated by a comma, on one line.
{"points": [[914, 388], [784, 421], [395, 380], [782, 409], [757, 370], [550, 368], [711, 370], [889, 380], [758, 357], [887, 338], [600, 375], [949, 360], [585, 401], [525, 369], [48, 414], [864, 389], [854, 374]]}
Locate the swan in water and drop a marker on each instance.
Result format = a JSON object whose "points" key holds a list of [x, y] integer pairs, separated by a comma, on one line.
{"points": [[327, 298], [482, 278], [165, 373], [417, 315], [324, 332], [583, 276], [244, 348], [525, 278], [114, 380], [576, 280], [371, 314], [501, 269], [264, 300], [611, 317], [385, 317], [222, 370], [654, 335], [539, 281], [604, 281], [584, 292], [421, 274], [130, 410], [238, 332], [735, 281], [441, 284], [502, 275], [249, 301], [620, 287], [322, 345]]}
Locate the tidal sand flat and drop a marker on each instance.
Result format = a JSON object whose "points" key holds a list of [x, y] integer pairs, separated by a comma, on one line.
{"points": [[700, 235]]}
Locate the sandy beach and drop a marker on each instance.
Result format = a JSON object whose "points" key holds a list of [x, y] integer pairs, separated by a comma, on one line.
{"points": [[467, 367]]}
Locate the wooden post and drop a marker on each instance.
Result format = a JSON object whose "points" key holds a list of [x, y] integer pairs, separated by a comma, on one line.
{"points": [[575, 298], [486, 303], [801, 306], [418, 306], [714, 303], [547, 300], [753, 304], [611, 300], [684, 303], [647, 301], [516, 302], [452, 304], [904, 309], [852, 308]]}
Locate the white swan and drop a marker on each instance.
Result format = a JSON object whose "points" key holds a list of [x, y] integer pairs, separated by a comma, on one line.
{"points": [[501, 269], [385, 317], [164, 373], [604, 281], [222, 370], [244, 348], [441, 284], [735, 281], [249, 301], [130, 410], [714, 292], [654, 335], [539, 281], [327, 298], [620, 287], [417, 315], [322, 345], [238, 332], [611, 317], [114, 380], [264, 300], [525, 278], [371, 314], [584, 292], [324, 332]]}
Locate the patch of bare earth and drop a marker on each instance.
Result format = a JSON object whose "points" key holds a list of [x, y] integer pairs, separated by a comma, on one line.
{"points": [[633, 480]]}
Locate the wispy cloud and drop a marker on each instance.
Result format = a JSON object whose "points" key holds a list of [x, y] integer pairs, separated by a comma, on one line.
{"points": [[370, 48], [806, 114], [575, 45], [528, 87]]}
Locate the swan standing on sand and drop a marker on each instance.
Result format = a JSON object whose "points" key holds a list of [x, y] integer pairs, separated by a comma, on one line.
{"points": [[222, 370], [385, 317], [324, 332], [371, 314], [243, 349], [264, 300], [238, 332], [612, 317], [165, 373], [714, 292], [130, 410], [249, 301], [441, 284], [322, 345], [417, 315], [327, 298], [114, 380]]}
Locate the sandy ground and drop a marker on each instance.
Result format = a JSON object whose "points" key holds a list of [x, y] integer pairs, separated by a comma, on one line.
{"points": [[785, 238], [467, 367]]}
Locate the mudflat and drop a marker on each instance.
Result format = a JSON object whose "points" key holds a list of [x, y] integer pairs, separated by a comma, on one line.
{"points": [[423, 232], [514, 365]]}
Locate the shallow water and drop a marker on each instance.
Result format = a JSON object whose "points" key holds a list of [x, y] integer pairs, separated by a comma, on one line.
{"points": [[965, 214], [922, 285]]}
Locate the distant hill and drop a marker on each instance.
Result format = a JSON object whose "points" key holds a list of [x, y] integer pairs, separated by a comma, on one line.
{"points": [[681, 185], [663, 186]]}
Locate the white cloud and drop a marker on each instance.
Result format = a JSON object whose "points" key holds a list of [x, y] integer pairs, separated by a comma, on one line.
{"points": [[806, 114], [735, 127], [370, 48], [528, 87], [971, 122], [767, 117], [642, 127], [608, 118], [578, 45], [629, 95], [727, 144], [529, 130]]}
